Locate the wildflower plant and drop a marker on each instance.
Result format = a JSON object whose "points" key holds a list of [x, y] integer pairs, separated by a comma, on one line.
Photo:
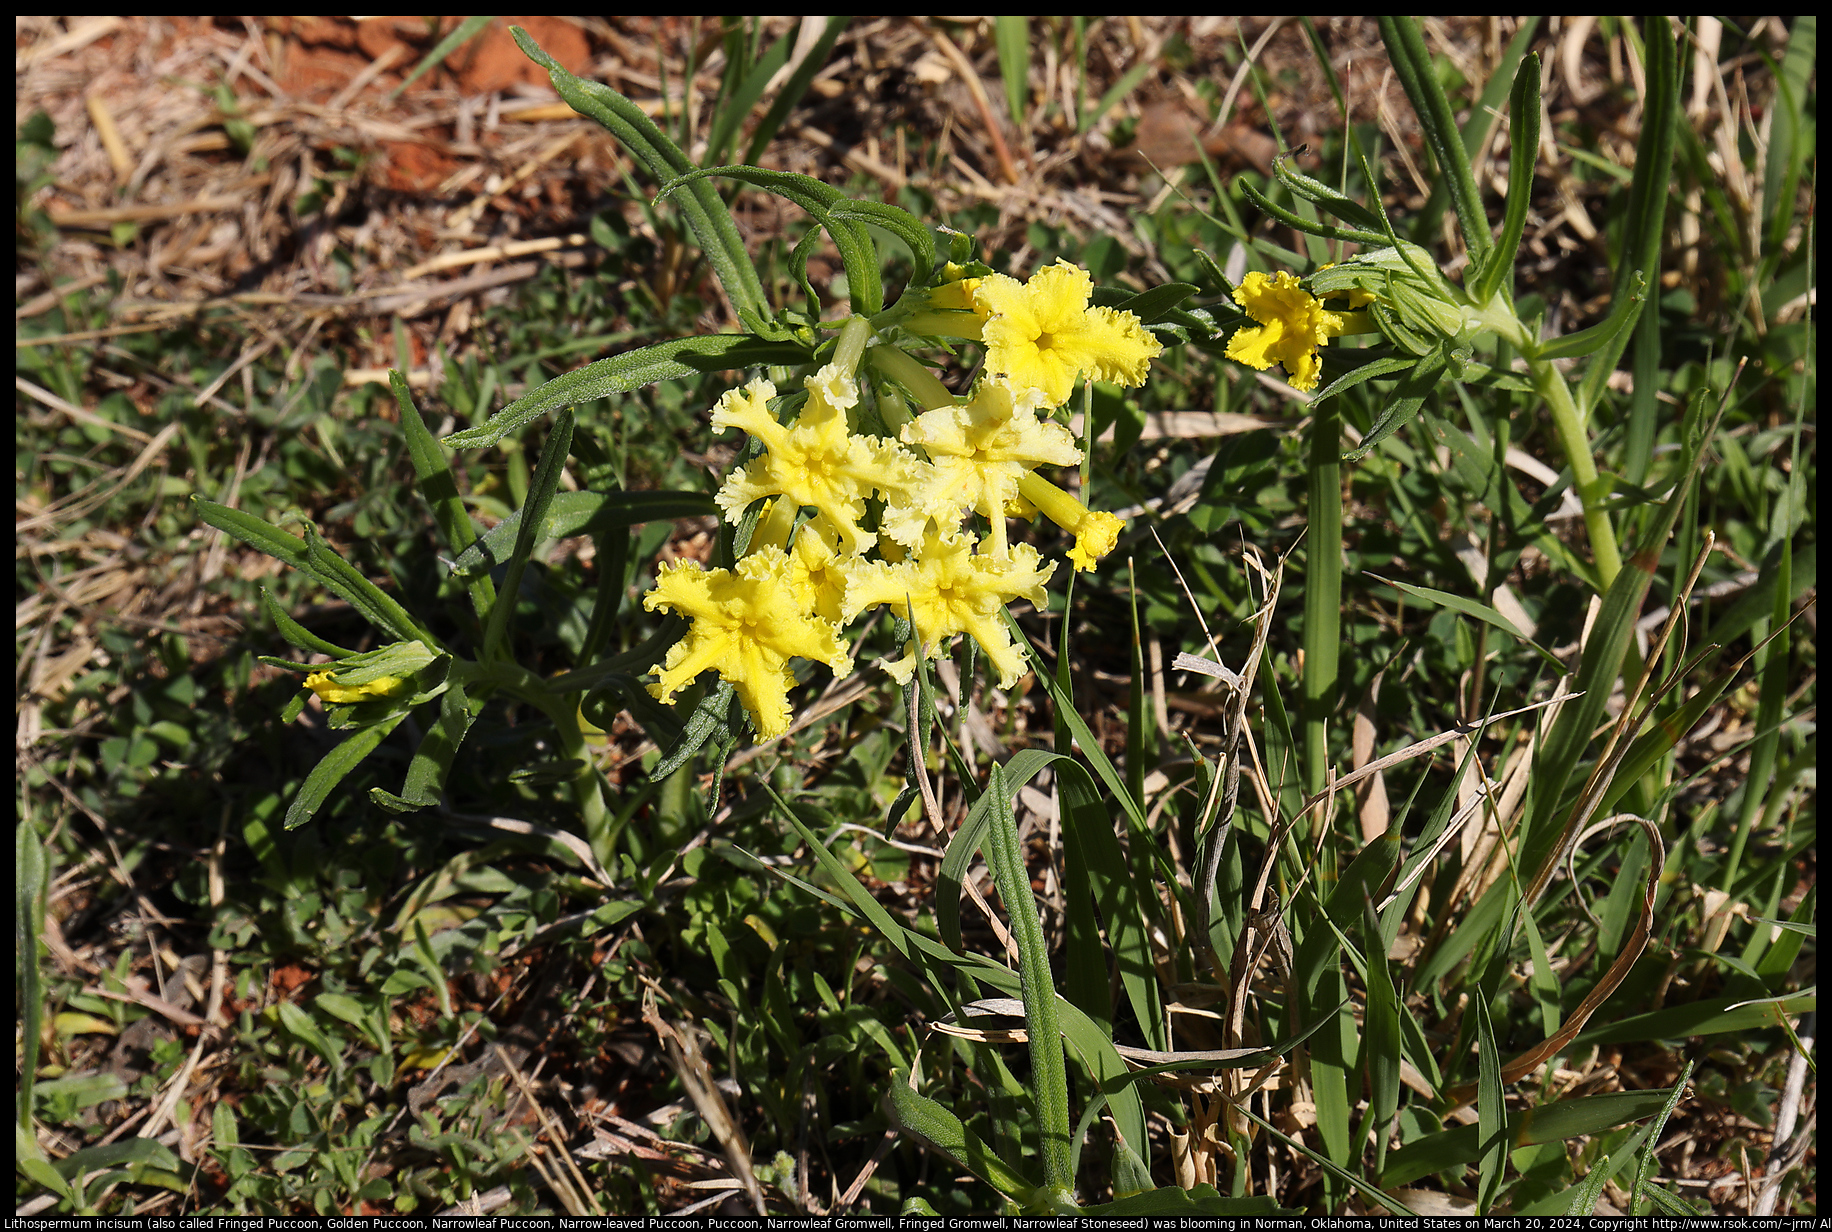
{"points": [[874, 518]]}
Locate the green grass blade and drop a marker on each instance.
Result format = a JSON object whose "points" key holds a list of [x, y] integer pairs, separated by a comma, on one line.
{"points": [[433, 471], [1089, 840], [926, 1120], [1648, 1166], [1491, 1107], [1469, 607], [1450, 1149], [1322, 604], [469, 29], [1381, 1040], [1714, 1016], [1049, 1077], [736, 103], [795, 87], [1011, 35], [1790, 148], [1090, 1044], [30, 879]]}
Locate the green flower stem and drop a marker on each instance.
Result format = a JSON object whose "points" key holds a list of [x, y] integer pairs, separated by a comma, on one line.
{"points": [[562, 710], [927, 389], [1568, 422], [1591, 488]]}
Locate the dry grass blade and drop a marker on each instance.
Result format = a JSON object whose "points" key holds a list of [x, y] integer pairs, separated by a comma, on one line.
{"points": [[696, 1076], [1630, 953]]}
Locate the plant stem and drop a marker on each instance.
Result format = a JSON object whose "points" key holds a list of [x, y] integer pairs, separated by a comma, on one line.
{"points": [[1591, 488], [1322, 594]]}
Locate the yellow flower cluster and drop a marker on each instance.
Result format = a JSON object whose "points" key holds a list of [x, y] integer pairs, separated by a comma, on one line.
{"points": [[802, 580]]}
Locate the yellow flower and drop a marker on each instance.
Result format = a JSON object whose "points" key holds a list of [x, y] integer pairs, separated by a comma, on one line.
{"points": [[747, 623], [815, 462], [978, 452], [819, 578], [1293, 323], [946, 587], [349, 694], [1043, 333], [1096, 531]]}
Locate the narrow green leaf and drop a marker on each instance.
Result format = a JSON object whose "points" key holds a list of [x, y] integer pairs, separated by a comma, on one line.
{"points": [[1088, 838], [1090, 1043], [1328, 197], [706, 214], [1623, 313], [930, 1123], [1011, 35], [371, 602], [466, 31], [665, 361], [1049, 1078], [333, 768], [1648, 1167], [1450, 1149], [1157, 303], [1408, 396], [1645, 227], [1418, 77], [1717, 1016], [711, 716], [30, 881], [310, 556], [1497, 273], [900, 223], [432, 761], [737, 103], [1381, 1042], [1470, 607], [433, 470], [297, 633], [1366, 372], [1491, 1108], [1309, 226], [859, 257]]}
